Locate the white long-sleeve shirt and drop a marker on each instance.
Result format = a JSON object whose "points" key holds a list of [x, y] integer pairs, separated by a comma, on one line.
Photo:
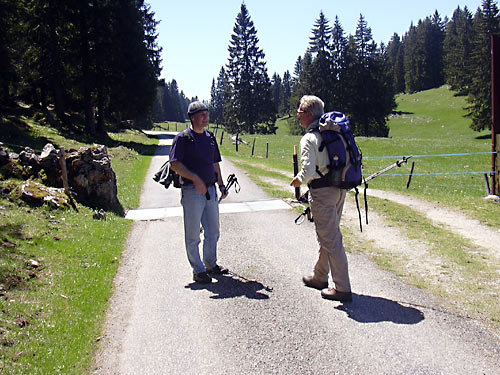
{"points": [[310, 156]]}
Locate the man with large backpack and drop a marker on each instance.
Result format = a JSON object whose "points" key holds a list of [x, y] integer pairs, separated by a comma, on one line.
{"points": [[195, 157], [326, 202]]}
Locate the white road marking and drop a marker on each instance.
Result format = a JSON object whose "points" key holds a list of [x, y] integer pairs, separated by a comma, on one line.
{"points": [[224, 208]]}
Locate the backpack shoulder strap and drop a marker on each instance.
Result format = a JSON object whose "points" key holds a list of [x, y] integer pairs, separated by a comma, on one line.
{"points": [[212, 136], [187, 133]]}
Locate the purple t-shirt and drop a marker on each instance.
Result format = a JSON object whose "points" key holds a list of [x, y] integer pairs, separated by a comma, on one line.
{"points": [[198, 153]]}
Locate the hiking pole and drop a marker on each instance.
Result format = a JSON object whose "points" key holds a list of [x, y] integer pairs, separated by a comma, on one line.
{"points": [[376, 174], [232, 180], [382, 171], [295, 171]]}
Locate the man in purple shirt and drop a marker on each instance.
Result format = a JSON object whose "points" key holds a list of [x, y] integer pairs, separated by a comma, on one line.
{"points": [[195, 157]]}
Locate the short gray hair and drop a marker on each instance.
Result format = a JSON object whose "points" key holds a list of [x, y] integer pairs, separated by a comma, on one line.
{"points": [[313, 105]]}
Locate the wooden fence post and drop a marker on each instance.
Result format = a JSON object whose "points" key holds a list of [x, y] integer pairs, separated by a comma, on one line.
{"points": [[495, 112], [497, 167], [267, 150], [221, 137], [253, 146], [237, 142]]}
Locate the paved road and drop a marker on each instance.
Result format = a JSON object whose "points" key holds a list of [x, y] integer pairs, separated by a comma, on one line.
{"points": [[260, 319]]}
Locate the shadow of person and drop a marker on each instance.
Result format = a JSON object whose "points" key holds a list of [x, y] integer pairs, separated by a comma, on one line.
{"points": [[368, 309], [231, 286]]}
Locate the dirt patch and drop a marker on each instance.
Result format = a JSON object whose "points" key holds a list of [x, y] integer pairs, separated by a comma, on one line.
{"points": [[486, 238], [415, 255]]}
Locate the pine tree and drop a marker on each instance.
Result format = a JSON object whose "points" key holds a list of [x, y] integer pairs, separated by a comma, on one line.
{"points": [[365, 46], [434, 50], [287, 92], [218, 98], [277, 90], [249, 96], [395, 53], [297, 69], [321, 67], [486, 21], [338, 48], [368, 90], [8, 24], [457, 48]]}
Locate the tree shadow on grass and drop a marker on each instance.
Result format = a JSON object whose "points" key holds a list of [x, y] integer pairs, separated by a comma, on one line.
{"points": [[400, 113], [232, 286], [368, 309], [484, 136]]}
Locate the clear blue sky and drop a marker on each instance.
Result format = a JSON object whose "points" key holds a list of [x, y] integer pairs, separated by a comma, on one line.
{"points": [[195, 34]]}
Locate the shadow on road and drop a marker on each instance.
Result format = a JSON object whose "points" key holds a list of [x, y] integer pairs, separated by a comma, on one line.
{"points": [[231, 286], [368, 309]]}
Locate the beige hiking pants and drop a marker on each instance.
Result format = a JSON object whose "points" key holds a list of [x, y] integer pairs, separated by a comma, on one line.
{"points": [[326, 207]]}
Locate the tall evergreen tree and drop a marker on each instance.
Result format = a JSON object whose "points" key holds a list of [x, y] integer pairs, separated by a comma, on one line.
{"points": [[218, 97], [395, 53], [434, 50], [249, 102], [457, 48], [287, 92], [486, 22], [277, 90], [321, 67], [8, 24], [297, 69], [338, 49], [369, 95]]}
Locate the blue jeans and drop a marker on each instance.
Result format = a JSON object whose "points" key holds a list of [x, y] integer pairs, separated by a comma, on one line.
{"points": [[198, 210]]}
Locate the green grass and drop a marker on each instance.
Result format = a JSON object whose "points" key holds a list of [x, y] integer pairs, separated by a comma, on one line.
{"points": [[51, 315], [465, 276], [428, 123]]}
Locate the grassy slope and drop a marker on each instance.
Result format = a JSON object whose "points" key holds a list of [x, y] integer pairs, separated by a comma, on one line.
{"points": [[51, 316], [431, 123]]}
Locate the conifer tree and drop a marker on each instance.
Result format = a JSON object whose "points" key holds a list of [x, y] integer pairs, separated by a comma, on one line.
{"points": [[287, 92], [297, 70], [8, 25], [249, 102], [218, 98], [486, 21], [338, 48], [321, 67], [395, 53], [457, 48], [277, 90], [368, 92]]}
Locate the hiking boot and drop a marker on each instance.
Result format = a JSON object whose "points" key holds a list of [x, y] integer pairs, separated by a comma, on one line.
{"points": [[311, 282], [202, 278], [335, 295], [218, 270]]}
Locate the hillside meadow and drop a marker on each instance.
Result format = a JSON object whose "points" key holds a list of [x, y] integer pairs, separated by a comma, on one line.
{"points": [[425, 124], [51, 310]]}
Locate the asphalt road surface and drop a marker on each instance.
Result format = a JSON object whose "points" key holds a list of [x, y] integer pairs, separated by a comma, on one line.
{"points": [[260, 319]]}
